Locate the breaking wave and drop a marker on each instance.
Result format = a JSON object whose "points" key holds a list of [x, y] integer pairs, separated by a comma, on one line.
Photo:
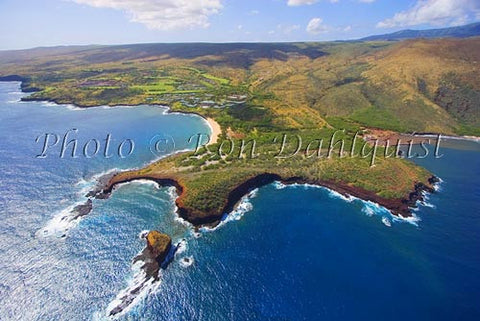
{"points": [[62, 222], [187, 261], [438, 185], [369, 208], [243, 207], [138, 288]]}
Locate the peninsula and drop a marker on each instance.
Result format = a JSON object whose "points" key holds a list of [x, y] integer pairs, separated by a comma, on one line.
{"points": [[324, 96]]}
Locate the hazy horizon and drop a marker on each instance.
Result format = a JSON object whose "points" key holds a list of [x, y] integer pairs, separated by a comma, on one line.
{"points": [[121, 22]]}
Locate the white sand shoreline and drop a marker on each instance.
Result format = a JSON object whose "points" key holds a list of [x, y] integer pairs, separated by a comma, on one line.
{"points": [[216, 130]]}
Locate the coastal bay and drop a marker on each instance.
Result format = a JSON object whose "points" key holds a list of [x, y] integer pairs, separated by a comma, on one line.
{"points": [[38, 193], [311, 236]]}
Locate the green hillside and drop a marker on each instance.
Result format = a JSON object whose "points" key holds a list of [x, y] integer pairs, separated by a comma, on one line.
{"points": [[263, 91]]}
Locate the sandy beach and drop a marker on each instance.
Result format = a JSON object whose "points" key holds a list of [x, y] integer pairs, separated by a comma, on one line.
{"points": [[216, 131]]}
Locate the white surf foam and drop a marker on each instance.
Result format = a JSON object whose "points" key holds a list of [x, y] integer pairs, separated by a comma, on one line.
{"points": [[172, 193], [61, 223], [180, 220], [387, 218], [333, 194], [304, 186], [73, 107], [279, 185], [430, 205], [65, 220], [438, 185], [48, 104], [414, 219], [386, 221], [187, 261], [374, 208], [143, 234], [243, 207], [85, 186], [182, 246], [369, 208], [88, 184], [425, 202], [347, 198], [15, 93], [138, 288], [146, 182]]}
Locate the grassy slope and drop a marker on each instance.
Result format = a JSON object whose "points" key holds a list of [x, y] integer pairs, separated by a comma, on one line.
{"points": [[207, 184], [305, 89], [405, 82], [418, 85]]}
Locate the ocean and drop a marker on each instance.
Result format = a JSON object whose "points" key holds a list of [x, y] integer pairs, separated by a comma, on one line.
{"points": [[287, 253]]}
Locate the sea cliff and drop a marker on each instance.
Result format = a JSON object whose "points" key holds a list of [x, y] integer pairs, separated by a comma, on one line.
{"points": [[398, 206]]}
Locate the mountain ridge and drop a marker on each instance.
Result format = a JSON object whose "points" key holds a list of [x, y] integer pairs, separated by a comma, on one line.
{"points": [[464, 31]]}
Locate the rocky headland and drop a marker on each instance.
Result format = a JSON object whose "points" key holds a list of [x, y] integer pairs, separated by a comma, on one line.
{"points": [[398, 206]]}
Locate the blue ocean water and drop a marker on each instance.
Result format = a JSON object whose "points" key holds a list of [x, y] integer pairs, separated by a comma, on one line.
{"points": [[289, 253]]}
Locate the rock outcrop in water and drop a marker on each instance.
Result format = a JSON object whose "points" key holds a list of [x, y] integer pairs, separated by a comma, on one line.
{"points": [[159, 245], [157, 254], [82, 209]]}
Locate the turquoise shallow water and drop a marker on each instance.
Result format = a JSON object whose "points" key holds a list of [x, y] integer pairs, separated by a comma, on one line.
{"points": [[289, 253], [49, 278]]}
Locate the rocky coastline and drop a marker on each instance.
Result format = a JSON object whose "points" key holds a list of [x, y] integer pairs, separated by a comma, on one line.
{"points": [[401, 207], [398, 206], [157, 254]]}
